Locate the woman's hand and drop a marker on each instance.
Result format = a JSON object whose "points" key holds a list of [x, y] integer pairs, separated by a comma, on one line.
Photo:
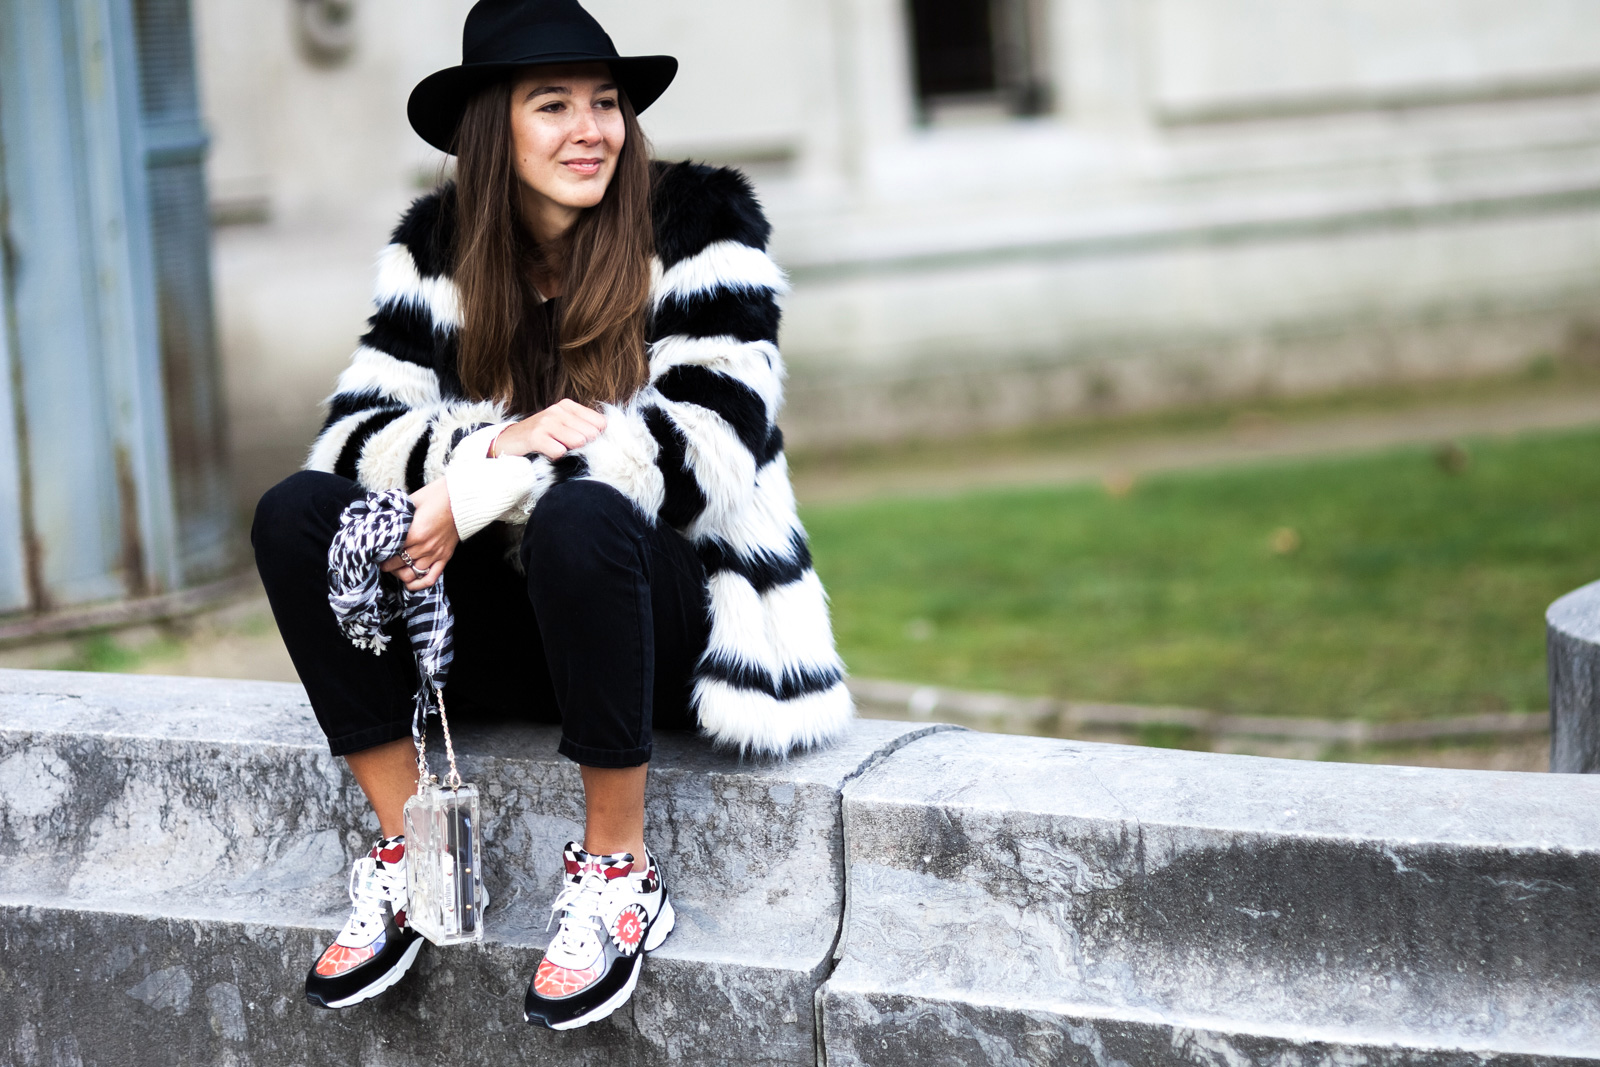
{"points": [[430, 542], [552, 432]]}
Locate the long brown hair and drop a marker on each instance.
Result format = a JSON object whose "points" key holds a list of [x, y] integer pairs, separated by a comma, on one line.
{"points": [[590, 345]]}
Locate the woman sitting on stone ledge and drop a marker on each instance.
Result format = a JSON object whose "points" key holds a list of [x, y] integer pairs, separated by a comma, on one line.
{"points": [[572, 369]]}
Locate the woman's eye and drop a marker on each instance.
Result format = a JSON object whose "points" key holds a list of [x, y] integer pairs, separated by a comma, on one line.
{"points": [[552, 108], [605, 105]]}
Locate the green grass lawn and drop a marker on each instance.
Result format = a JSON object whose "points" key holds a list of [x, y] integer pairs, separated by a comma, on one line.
{"points": [[1403, 591]]}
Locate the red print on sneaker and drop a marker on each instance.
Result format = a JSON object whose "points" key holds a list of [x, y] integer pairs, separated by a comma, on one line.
{"points": [[341, 958], [628, 928], [552, 981]]}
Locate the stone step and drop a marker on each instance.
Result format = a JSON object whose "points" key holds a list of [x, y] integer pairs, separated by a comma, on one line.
{"points": [[173, 855], [1022, 901]]}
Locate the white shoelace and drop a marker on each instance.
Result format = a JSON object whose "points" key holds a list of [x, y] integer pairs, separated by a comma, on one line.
{"points": [[370, 889], [582, 922]]}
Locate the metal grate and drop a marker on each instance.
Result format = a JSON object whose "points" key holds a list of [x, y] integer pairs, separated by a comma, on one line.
{"points": [[166, 59], [978, 52], [175, 144], [954, 47]]}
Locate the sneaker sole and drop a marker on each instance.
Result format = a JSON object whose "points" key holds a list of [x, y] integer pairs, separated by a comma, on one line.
{"points": [[397, 972], [661, 927], [664, 924]]}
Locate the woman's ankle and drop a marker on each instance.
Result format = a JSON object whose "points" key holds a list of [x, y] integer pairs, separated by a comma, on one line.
{"points": [[602, 846]]}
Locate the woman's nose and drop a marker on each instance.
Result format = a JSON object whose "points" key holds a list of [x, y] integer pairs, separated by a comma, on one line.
{"points": [[587, 130]]}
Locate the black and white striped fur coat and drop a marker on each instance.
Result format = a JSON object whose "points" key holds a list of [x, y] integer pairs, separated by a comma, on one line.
{"points": [[697, 448]]}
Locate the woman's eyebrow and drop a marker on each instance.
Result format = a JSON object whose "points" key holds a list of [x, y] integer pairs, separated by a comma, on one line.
{"points": [[562, 90]]}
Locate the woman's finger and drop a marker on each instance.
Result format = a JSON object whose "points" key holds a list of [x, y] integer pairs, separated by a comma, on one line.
{"points": [[425, 570], [586, 415], [579, 431], [425, 552], [589, 430], [417, 583]]}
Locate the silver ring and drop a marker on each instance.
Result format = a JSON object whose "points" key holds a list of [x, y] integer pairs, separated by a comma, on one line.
{"points": [[406, 557]]}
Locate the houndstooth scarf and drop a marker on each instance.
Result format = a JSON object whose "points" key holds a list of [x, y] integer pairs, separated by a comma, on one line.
{"points": [[364, 600]]}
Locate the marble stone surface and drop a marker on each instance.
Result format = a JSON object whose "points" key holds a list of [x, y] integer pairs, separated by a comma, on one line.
{"points": [[1016, 900], [173, 854], [1573, 627]]}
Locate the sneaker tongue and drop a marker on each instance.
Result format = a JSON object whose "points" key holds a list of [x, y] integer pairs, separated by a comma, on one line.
{"points": [[580, 863], [389, 850]]}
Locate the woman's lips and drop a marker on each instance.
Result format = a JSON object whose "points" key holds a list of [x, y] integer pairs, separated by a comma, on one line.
{"points": [[585, 167]]}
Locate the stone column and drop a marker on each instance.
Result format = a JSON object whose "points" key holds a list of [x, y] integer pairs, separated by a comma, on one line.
{"points": [[1573, 626]]}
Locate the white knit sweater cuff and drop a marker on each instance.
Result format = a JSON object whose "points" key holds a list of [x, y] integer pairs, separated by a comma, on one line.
{"points": [[483, 490], [476, 444]]}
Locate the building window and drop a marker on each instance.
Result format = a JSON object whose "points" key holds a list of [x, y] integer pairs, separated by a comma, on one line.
{"points": [[978, 58]]}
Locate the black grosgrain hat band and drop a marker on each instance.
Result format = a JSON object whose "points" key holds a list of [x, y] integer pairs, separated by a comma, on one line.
{"points": [[502, 36]]}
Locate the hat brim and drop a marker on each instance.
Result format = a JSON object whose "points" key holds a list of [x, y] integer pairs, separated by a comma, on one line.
{"points": [[440, 99]]}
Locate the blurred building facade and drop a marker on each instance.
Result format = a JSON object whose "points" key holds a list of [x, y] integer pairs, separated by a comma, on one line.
{"points": [[991, 210], [113, 465]]}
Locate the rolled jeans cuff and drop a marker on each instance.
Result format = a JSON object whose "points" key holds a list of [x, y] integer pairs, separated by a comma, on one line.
{"points": [[372, 737], [605, 758]]}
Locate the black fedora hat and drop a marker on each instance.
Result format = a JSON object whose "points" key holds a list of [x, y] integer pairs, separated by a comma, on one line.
{"points": [[502, 35]]}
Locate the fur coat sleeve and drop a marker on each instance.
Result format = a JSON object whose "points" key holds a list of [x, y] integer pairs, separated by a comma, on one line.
{"points": [[697, 448]]}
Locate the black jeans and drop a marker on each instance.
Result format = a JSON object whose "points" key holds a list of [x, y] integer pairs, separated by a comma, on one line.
{"points": [[602, 635]]}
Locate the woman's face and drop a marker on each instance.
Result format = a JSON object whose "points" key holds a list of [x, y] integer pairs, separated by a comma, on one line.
{"points": [[566, 133]]}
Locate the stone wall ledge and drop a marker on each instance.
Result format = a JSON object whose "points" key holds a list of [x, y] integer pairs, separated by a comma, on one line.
{"points": [[173, 853], [1031, 900], [165, 840]]}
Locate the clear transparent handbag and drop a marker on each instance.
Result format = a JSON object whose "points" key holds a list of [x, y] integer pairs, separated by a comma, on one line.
{"points": [[443, 845]]}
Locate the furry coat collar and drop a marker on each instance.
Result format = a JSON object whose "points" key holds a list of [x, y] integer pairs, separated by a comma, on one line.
{"points": [[697, 448]]}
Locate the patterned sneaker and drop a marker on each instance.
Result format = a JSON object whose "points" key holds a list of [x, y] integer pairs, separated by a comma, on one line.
{"points": [[610, 917], [377, 946]]}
